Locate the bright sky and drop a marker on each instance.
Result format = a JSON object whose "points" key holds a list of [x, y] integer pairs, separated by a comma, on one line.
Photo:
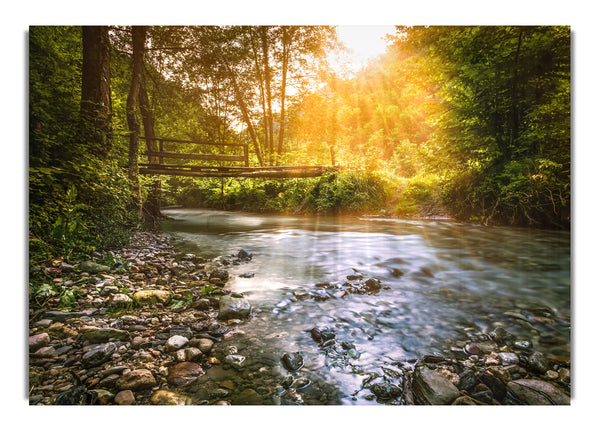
{"points": [[365, 41]]}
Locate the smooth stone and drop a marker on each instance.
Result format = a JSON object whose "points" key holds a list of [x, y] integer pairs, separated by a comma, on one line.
{"points": [[429, 387], [125, 398], [92, 267], [188, 354], [151, 297], [231, 307], [385, 391], [538, 363], [243, 254], [119, 299], [104, 397], [353, 353], [102, 335], [472, 349], [508, 358], [60, 331], [184, 373], [537, 392], [38, 341], [63, 316], [204, 344], [136, 380], [45, 352], [176, 342], [168, 398], [292, 361], [237, 361], [98, 355], [220, 274], [248, 397]]}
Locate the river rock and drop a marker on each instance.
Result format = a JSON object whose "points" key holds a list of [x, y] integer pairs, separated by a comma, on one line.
{"points": [[507, 358], [385, 391], [60, 331], [188, 354], [538, 363], [219, 274], [244, 255], [292, 361], [151, 297], [125, 398], [38, 341], [104, 397], [204, 344], [237, 361], [92, 267], [184, 373], [231, 307], [431, 388], [102, 335], [120, 300], [167, 398], [176, 342], [247, 397], [136, 380], [98, 355], [77, 395], [537, 392]]}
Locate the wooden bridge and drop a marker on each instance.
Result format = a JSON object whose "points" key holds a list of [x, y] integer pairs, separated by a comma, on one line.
{"points": [[164, 162]]}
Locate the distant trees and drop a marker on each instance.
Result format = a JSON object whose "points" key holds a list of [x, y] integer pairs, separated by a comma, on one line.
{"points": [[503, 117]]}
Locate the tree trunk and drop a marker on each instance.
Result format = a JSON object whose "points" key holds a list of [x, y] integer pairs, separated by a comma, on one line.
{"points": [[245, 115], [95, 89], [152, 205], [138, 42], [265, 49], [286, 40], [261, 81]]}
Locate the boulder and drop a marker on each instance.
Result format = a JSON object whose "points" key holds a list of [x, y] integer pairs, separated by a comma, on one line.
{"points": [[231, 307], [537, 392], [431, 388]]}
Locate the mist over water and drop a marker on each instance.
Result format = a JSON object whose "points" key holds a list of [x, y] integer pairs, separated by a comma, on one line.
{"points": [[447, 282]]}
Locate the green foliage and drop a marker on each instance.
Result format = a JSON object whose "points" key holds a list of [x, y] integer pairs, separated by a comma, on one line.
{"points": [[42, 293], [345, 192]]}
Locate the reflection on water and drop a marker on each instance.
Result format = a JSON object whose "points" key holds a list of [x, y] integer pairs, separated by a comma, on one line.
{"points": [[448, 281]]}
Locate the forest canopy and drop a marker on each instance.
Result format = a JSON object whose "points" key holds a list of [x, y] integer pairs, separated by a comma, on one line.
{"points": [[471, 122]]}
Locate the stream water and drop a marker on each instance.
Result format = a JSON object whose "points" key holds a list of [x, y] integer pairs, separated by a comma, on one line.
{"points": [[445, 283]]}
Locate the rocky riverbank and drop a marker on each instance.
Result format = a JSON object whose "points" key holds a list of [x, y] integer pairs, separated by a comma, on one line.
{"points": [[158, 327]]}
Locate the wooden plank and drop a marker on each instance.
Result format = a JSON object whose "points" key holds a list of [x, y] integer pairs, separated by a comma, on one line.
{"points": [[248, 173], [196, 156], [182, 141], [239, 168]]}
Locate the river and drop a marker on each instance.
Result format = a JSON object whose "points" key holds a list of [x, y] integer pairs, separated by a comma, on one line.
{"points": [[444, 283]]}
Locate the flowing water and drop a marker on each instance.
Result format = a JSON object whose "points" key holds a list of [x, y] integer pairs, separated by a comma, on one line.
{"points": [[445, 283]]}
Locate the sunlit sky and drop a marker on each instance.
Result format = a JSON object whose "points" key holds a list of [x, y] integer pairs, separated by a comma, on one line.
{"points": [[365, 43]]}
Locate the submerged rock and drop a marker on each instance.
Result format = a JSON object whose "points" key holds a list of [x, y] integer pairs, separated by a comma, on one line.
{"points": [[231, 307]]}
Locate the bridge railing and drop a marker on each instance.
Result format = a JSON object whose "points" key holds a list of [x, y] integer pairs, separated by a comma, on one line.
{"points": [[161, 154]]}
